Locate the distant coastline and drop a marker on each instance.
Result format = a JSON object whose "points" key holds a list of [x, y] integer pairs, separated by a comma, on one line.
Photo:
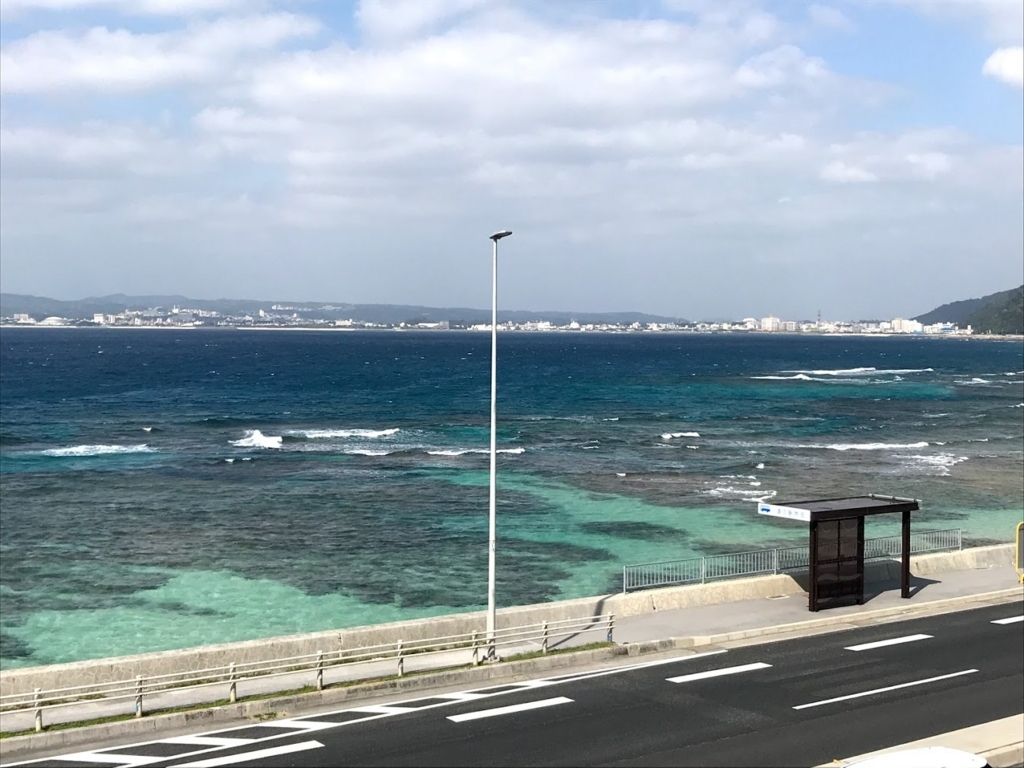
{"points": [[503, 330]]}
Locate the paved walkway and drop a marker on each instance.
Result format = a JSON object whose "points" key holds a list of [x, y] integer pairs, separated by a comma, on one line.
{"points": [[751, 614]]}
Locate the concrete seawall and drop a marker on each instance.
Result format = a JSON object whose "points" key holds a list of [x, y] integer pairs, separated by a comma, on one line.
{"points": [[632, 604]]}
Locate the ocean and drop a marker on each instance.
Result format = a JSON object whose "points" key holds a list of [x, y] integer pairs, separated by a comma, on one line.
{"points": [[164, 489]]}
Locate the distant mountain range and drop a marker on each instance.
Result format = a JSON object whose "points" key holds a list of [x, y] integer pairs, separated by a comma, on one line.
{"points": [[390, 314], [1001, 312]]}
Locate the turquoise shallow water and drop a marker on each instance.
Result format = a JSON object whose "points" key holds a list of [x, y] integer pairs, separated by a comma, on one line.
{"points": [[164, 490]]}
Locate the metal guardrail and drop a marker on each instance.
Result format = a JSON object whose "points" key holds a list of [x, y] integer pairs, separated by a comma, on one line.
{"points": [[476, 644], [699, 570]]}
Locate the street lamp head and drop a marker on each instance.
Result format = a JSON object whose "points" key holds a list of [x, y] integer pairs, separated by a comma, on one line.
{"points": [[498, 235]]}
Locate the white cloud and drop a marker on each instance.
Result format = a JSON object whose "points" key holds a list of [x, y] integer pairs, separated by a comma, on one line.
{"points": [[1007, 65], [702, 144], [392, 20], [930, 165], [131, 7], [1003, 19], [123, 61], [843, 173], [827, 16]]}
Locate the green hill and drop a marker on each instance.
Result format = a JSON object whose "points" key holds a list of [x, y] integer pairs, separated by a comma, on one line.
{"points": [[1001, 313]]}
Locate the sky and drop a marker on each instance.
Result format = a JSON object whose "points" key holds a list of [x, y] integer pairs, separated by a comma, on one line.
{"points": [[691, 158]]}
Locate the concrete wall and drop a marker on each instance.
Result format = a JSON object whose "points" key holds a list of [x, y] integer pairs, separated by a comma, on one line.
{"points": [[632, 604]]}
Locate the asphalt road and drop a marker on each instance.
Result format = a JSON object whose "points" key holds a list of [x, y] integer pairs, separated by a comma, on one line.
{"points": [[800, 702]]}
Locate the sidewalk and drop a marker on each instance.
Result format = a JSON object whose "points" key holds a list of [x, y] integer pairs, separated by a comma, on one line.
{"points": [[750, 614]]}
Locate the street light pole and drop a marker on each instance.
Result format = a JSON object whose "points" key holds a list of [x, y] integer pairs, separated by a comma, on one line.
{"points": [[491, 540]]}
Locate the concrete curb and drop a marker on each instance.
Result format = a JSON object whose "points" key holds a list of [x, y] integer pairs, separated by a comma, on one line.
{"points": [[1004, 733], [880, 616], [160, 726], [1007, 756]]}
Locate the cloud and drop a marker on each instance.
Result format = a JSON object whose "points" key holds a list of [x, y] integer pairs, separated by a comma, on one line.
{"points": [[392, 20], [843, 173], [122, 61], [827, 16], [643, 162], [1003, 19], [130, 7], [1006, 65], [930, 165]]}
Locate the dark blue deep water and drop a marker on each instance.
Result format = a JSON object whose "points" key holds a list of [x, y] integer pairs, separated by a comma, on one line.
{"points": [[162, 489]]}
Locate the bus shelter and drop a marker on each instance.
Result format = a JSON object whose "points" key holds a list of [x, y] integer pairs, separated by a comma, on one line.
{"points": [[836, 545]]}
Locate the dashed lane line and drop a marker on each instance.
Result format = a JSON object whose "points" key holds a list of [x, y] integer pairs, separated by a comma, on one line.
{"points": [[884, 643], [480, 714], [719, 672]]}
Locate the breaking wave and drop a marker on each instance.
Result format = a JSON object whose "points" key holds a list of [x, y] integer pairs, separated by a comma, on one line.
{"points": [[321, 434], [256, 439], [96, 450], [453, 452], [670, 435], [867, 446]]}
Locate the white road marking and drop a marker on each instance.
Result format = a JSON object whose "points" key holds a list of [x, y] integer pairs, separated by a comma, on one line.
{"points": [[129, 761], [383, 710], [719, 672], [509, 710], [617, 670], [1011, 620], [259, 754], [883, 643], [298, 726], [883, 690], [200, 741], [461, 696]]}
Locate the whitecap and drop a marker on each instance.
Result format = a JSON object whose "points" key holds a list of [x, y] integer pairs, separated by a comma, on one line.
{"points": [[759, 466], [799, 377], [612, 418], [256, 439], [147, 429], [230, 461], [743, 494], [862, 371], [95, 450], [463, 452], [940, 462], [620, 474], [366, 452], [320, 434], [670, 435], [866, 446], [934, 415]]}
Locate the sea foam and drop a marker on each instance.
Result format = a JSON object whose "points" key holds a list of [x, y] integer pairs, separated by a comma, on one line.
{"points": [[256, 439], [861, 371], [321, 434], [474, 450], [867, 446], [96, 450], [670, 435]]}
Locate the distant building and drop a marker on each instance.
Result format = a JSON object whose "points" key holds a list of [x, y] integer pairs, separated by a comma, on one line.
{"points": [[770, 323], [899, 325], [790, 326]]}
